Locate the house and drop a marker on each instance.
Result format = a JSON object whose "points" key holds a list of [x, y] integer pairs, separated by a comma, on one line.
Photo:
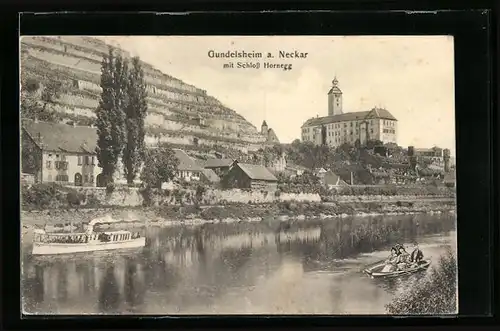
{"points": [[219, 166], [319, 172], [27, 179], [60, 153], [331, 180], [209, 176], [295, 170], [244, 175], [187, 169]]}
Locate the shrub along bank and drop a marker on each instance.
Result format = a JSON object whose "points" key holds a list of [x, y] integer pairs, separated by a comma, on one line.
{"points": [[53, 196], [433, 295]]}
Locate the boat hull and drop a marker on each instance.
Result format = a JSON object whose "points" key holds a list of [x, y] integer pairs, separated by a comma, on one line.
{"points": [[56, 248], [376, 270]]}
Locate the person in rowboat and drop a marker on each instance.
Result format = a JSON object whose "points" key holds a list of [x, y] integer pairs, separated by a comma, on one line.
{"points": [[391, 262], [416, 255], [403, 258]]}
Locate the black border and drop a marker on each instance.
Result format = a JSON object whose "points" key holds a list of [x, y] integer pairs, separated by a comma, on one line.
{"points": [[476, 121]]}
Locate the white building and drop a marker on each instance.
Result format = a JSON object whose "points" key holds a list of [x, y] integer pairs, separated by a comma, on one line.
{"points": [[338, 127]]}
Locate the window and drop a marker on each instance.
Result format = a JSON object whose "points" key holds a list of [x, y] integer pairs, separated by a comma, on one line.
{"points": [[87, 160], [61, 165], [61, 178], [50, 155], [79, 160], [48, 164], [57, 156]]}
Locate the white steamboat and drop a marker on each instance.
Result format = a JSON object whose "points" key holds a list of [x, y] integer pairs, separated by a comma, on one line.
{"points": [[66, 243]]}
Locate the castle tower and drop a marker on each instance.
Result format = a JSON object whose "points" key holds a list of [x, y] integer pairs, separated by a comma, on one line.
{"points": [[335, 99], [264, 128]]}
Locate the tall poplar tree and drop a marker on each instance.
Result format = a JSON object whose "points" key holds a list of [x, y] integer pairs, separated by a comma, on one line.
{"points": [[134, 152], [111, 113]]}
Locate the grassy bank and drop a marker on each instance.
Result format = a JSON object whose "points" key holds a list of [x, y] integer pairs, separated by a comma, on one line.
{"points": [[434, 295]]}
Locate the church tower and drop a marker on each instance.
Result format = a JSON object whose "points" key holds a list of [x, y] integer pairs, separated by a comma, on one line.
{"points": [[335, 99]]}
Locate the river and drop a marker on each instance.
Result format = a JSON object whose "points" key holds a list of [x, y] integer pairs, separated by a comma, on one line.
{"points": [[293, 267]]}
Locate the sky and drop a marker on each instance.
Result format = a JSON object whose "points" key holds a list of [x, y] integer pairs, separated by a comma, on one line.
{"points": [[410, 76]]}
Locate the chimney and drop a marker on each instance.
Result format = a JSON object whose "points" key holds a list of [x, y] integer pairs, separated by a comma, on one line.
{"points": [[40, 142], [352, 179]]}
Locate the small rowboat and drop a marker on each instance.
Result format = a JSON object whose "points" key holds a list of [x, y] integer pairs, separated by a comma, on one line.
{"points": [[376, 270]]}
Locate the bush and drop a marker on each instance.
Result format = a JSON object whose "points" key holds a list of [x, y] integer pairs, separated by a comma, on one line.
{"points": [[75, 198], [435, 294], [42, 196], [147, 194], [200, 191], [92, 201], [110, 188]]}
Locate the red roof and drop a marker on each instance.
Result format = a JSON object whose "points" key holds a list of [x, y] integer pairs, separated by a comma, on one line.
{"points": [[57, 137], [186, 163], [257, 172], [361, 115]]}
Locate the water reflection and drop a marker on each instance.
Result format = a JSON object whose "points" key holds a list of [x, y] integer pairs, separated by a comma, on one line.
{"points": [[293, 267]]}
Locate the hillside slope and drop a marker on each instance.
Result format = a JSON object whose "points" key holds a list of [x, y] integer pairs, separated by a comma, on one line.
{"points": [[178, 113]]}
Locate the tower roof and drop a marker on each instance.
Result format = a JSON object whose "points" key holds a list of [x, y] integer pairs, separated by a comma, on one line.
{"points": [[335, 88], [264, 123]]}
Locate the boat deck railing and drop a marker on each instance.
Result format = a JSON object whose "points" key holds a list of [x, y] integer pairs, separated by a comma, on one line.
{"points": [[77, 238]]}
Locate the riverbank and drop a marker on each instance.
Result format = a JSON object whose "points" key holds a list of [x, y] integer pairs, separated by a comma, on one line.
{"points": [[61, 219]]}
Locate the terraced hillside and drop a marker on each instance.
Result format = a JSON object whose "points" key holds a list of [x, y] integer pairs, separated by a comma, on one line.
{"points": [[178, 113]]}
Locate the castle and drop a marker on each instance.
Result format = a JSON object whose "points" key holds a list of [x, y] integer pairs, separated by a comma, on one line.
{"points": [[339, 128]]}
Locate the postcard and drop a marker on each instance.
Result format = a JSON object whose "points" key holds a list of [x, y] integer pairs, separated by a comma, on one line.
{"points": [[194, 175]]}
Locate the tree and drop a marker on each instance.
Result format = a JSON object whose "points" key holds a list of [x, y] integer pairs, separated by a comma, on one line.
{"points": [[110, 113], [31, 157], [36, 97], [372, 143], [133, 154], [160, 166]]}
